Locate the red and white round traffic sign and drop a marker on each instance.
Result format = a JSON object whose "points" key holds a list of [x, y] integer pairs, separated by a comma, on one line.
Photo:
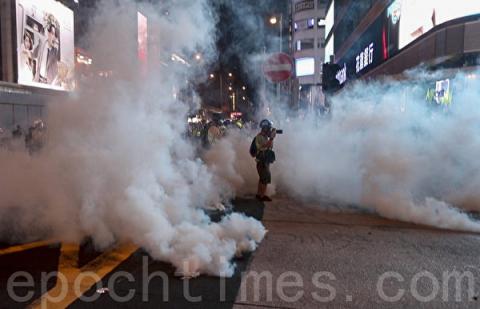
{"points": [[278, 67]]}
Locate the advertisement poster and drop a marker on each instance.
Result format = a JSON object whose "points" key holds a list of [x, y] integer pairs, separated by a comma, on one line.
{"points": [[45, 44]]}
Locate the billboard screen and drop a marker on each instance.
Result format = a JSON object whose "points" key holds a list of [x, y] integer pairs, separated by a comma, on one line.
{"points": [[305, 66], [45, 44], [142, 38], [415, 18]]}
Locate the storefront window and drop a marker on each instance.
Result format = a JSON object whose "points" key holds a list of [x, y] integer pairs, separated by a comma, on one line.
{"points": [[6, 116], [23, 115], [20, 115], [34, 113]]}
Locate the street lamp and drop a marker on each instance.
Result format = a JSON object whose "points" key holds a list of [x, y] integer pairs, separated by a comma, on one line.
{"points": [[273, 21], [198, 57], [230, 75]]}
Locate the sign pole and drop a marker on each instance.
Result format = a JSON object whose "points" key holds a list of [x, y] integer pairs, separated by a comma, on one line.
{"points": [[280, 51]]}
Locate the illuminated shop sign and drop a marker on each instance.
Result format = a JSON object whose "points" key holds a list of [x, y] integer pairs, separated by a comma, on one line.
{"points": [[366, 53], [342, 75], [441, 94], [400, 24], [236, 115], [365, 58]]}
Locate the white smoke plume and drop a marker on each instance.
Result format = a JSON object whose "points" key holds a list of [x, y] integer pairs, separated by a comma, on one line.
{"points": [[383, 149], [116, 166]]}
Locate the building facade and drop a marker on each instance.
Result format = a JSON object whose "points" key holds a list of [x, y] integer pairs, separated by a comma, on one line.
{"points": [[36, 59], [40, 58], [374, 38], [308, 49]]}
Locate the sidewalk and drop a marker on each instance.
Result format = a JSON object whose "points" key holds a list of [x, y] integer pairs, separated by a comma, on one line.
{"points": [[316, 259]]}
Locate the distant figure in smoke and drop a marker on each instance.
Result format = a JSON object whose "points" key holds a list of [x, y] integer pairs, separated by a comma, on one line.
{"points": [[18, 132], [35, 137], [29, 140], [264, 157], [214, 132]]}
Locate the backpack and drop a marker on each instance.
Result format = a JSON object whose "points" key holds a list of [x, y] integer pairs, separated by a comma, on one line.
{"points": [[269, 156], [253, 148]]}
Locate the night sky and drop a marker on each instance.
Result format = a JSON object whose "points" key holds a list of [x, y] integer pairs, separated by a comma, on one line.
{"points": [[243, 32]]}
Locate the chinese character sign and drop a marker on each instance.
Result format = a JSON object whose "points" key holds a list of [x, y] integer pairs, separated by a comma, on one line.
{"points": [[365, 58]]}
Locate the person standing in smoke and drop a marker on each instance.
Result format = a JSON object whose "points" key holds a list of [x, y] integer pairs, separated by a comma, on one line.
{"points": [[29, 140], [214, 133], [18, 132], [264, 157]]}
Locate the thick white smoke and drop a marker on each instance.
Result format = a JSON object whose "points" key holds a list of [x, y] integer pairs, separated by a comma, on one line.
{"points": [[383, 148], [116, 166]]}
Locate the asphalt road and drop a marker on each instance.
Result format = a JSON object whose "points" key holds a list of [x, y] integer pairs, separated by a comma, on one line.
{"points": [[318, 259], [311, 258], [162, 290]]}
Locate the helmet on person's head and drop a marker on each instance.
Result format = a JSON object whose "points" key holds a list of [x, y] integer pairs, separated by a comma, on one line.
{"points": [[266, 124]]}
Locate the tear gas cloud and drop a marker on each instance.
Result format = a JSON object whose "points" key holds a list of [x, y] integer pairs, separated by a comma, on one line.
{"points": [[116, 167], [385, 149], [382, 149]]}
